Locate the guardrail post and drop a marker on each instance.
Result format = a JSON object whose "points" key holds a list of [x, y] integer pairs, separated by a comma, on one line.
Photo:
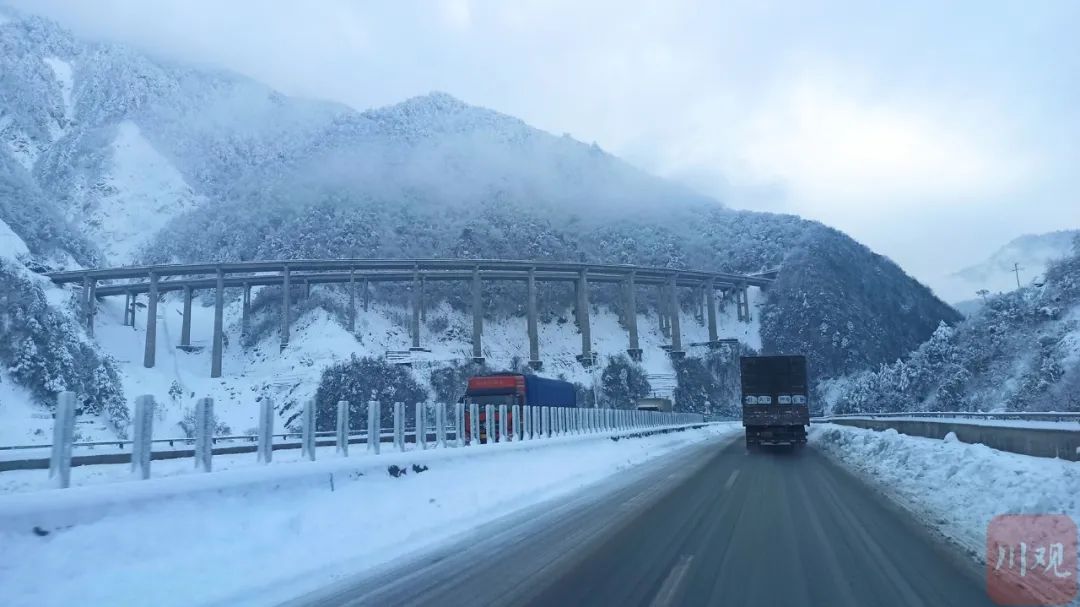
{"points": [[342, 428], [63, 437], [545, 422], [502, 438], [440, 425], [307, 438], [421, 426], [459, 424], [515, 419], [204, 434], [142, 434], [489, 422], [530, 422], [399, 425], [374, 426], [474, 424], [266, 430]]}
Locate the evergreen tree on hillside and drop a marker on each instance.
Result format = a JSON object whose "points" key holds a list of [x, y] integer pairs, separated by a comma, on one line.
{"points": [[623, 383]]}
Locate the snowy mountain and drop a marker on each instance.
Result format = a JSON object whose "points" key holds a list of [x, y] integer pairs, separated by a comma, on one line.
{"points": [[1019, 352], [1033, 252], [109, 157]]}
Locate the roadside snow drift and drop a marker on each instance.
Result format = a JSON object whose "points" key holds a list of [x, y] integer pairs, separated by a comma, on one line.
{"points": [[217, 546], [955, 487]]}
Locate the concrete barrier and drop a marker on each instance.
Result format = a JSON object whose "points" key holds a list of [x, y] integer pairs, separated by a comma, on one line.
{"points": [[1039, 442]]}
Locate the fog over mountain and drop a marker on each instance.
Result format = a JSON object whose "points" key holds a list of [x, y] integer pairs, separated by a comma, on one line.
{"points": [[998, 273]]}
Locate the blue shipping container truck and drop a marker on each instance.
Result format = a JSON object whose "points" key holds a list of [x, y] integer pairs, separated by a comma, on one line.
{"points": [[515, 389]]}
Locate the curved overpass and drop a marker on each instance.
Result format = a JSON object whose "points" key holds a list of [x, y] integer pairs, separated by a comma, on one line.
{"points": [[132, 281]]}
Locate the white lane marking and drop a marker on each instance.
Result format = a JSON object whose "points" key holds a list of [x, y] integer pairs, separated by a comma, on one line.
{"points": [[731, 479], [672, 582]]}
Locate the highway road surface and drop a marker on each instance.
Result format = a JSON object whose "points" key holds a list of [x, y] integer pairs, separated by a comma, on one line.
{"points": [[709, 525]]}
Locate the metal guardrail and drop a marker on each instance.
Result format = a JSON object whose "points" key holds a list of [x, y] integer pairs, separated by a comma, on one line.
{"points": [[190, 440], [1006, 415], [454, 426]]}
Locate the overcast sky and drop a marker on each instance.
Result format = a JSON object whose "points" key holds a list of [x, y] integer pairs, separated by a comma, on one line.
{"points": [[932, 133]]}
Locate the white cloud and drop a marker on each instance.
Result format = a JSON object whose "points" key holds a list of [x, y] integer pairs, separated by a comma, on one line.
{"points": [[828, 144]]}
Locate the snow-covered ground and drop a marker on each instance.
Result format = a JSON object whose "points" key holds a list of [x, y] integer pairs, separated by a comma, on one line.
{"points": [[220, 545], [956, 488]]}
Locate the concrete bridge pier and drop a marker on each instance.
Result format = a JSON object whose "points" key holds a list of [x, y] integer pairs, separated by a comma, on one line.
{"points": [[423, 299], [477, 318], [352, 301], [534, 335], [285, 305], [185, 323], [150, 350], [676, 334], [91, 307], [127, 308], [634, 349], [367, 294], [89, 303], [710, 302], [586, 356], [219, 313], [245, 311], [699, 304], [742, 303], [414, 327], [662, 311]]}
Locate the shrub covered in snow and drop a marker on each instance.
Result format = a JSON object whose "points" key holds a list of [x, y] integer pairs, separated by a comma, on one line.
{"points": [[622, 382], [359, 380]]}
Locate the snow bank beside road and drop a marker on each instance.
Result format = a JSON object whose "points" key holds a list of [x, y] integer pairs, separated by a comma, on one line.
{"points": [[955, 487], [214, 548]]}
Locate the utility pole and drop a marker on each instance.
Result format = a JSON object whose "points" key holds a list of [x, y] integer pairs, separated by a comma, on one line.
{"points": [[1016, 269]]}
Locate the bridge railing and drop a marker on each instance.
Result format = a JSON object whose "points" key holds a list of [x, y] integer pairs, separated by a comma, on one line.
{"points": [[422, 426]]}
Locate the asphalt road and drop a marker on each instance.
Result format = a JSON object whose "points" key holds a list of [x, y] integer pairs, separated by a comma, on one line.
{"points": [[710, 525]]}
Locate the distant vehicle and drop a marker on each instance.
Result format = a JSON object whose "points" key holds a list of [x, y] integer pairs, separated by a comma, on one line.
{"points": [[775, 399], [654, 404], [514, 389]]}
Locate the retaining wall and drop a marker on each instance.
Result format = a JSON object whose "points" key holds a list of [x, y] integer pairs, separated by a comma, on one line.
{"points": [[1039, 442]]}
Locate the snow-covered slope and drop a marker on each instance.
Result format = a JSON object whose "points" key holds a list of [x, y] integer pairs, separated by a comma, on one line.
{"points": [[139, 192]]}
